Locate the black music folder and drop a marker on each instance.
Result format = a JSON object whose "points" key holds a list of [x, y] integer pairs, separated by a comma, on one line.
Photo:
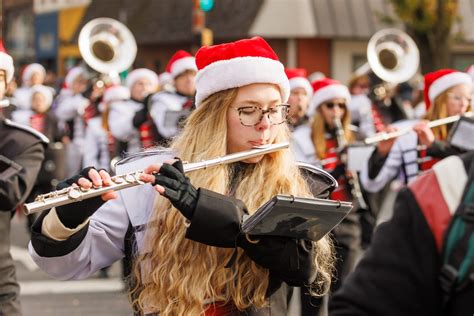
{"points": [[302, 218]]}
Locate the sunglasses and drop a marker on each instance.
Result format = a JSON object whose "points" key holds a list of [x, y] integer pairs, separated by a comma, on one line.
{"points": [[331, 105]]}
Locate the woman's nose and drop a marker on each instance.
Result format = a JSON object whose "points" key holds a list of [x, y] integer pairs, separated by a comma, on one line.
{"points": [[264, 122]]}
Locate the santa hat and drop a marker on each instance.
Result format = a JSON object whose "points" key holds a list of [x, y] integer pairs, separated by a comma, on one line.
{"points": [[30, 70], [140, 73], [72, 75], [238, 64], [180, 62], [47, 92], [326, 89], [116, 93], [6, 63], [441, 80], [297, 78]]}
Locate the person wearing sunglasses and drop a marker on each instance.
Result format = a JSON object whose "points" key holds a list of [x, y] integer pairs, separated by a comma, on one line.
{"points": [[183, 231], [447, 92], [317, 143]]}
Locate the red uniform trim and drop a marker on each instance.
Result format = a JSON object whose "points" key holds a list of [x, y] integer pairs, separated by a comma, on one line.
{"points": [[341, 193], [430, 199], [221, 310]]}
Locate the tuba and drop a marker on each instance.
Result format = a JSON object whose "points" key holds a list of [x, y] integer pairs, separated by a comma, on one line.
{"points": [[108, 47], [392, 56]]}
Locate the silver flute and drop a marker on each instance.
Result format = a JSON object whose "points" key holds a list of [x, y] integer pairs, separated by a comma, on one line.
{"points": [[74, 194]]}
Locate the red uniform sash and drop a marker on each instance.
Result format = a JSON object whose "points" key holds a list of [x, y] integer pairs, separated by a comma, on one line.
{"points": [[37, 121], [332, 162]]}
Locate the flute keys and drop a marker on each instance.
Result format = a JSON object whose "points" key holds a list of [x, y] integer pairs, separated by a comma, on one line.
{"points": [[74, 194], [117, 180], [130, 178]]}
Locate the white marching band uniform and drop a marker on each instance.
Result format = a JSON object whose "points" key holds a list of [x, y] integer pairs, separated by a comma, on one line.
{"points": [[100, 241], [71, 107], [121, 123], [96, 141], [303, 147], [401, 162], [163, 105]]}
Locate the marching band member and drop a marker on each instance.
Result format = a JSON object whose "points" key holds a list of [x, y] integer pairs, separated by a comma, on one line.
{"points": [[187, 238], [101, 145], [129, 121], [318, 143], [360, 106], [21, 154], [447, 93], [70, 109], [33, 74], [301, 93], [168, 109]]}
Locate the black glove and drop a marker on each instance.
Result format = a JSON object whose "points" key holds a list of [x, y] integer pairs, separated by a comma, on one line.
{"points": [[72, 215], [178, 189], [140, 117]]}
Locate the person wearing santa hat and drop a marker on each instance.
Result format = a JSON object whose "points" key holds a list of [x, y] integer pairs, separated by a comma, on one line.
{"points": [[185, 239], [130, 122], [33, 74], [102, 146], [319, 142], [169, 108], [447, 92], [21, 155], [301, 92], [71, 108]]}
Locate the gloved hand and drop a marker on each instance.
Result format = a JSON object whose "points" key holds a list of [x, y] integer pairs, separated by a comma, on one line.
{"points": [[177, 188], [72, 215]]}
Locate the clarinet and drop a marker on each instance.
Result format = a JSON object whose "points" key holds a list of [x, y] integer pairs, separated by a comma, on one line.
{"points": [[353, 180]]}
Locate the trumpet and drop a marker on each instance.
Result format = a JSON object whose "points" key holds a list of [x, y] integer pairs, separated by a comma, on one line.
{"points": [[386, 136], [74, 194]]}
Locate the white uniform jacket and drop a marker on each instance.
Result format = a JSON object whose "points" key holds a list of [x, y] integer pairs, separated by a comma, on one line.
{"points": [[402, 162], [96, 143], [103, 240], [22, 98], [302, 145], [166, 109], [121, 123]]}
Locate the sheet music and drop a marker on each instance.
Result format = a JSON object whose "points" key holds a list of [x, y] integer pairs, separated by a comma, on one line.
{"points": [[463, 135]]}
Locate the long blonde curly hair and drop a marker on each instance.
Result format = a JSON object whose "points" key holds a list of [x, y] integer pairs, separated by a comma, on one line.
{"points": [[177, 276]]}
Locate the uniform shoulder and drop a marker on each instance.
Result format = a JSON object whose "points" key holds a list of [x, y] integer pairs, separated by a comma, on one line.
{"points": [[13, 125]]}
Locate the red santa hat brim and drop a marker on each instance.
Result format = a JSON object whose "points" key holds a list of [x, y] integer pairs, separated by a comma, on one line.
{"points": [[6, 63], [300, 82], [447, 81], [30, 70], [238, 72], [182, 65], [140, 73], [327, 93]]}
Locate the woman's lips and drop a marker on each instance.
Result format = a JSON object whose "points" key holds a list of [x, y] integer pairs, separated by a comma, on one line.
{"points": [[257, 143]]}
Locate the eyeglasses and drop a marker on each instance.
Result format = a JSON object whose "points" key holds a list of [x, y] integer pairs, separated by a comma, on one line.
{"points": [[253, 115], [331, 105], [460, 97]]}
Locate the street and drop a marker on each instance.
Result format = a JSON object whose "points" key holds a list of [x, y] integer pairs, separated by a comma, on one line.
{"points": [[43, 296]]}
